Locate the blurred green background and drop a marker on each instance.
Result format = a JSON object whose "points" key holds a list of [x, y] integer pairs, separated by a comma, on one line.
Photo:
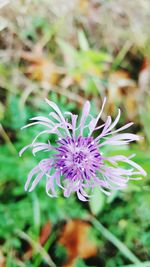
{"points": [[70, 51]]}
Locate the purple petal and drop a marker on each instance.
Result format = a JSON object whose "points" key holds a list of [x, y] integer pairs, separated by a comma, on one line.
{"points": [[122, 128], [24, 149], [37, 123], [57, 110], [30, 176], [43, 119], [127, 160], [94, 122], [115, 121], [84, 116], [45, 165], [55, 116], [36, 181], [50, 185], [74, 122], [42, 146], [80, 196], [105, 129], [126, 137]]}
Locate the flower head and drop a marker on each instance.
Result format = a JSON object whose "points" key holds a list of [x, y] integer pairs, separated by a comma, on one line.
{"points": [[77, 163]]}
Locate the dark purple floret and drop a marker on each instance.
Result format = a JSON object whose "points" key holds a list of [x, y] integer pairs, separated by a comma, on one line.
{"points": [[78, 158]]}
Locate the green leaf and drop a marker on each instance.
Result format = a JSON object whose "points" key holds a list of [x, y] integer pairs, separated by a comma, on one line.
{"points": [[97, 201], [80, 263], [83, 42], [70, 51]]}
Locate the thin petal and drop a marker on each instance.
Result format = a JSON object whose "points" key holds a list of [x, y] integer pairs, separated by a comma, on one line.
{"points": [[42, 118], [127, 160], [57, 110], [55, 116], [136, 166], [115, 121], [122, 128], [80, 196], [36, 181], [30, 176], [45, 165], [94, 122], [50, 185], [24, 149], [123, 138], [42, 146], [67, 191], [74, 122], [37, 123], [105, 129], [85, 113]]}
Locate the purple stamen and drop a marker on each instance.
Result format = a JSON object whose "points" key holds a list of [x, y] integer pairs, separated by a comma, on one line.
{"points": [[78, 157]]}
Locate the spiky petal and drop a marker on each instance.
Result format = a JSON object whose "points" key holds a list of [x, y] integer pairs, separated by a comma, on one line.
{"points": [[76, 163]]}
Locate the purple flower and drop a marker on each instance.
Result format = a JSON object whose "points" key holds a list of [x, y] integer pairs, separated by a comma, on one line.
{"points": [[76, 163]]}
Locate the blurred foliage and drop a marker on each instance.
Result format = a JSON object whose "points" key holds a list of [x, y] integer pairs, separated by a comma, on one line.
{"points": [[70, 51]]}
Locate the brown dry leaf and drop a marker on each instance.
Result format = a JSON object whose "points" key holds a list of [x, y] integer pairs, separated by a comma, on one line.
{"points": [[131, 107], [83, 6], [40, 68], [75, 238], [45, 232], [44, 71], [123, 90], [70, 263], [144, 77], [67, 81], [120, 84], [2, 260]]}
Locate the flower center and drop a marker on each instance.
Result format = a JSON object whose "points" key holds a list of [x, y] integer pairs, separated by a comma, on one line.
{"points": [[78, 158]]}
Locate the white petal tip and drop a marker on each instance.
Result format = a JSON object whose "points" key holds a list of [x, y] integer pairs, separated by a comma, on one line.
{"points": [[23, 127], [47, 101], [30, 190]]}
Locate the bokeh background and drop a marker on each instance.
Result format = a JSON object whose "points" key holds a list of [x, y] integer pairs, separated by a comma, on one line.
{"points": [[70, 51]]}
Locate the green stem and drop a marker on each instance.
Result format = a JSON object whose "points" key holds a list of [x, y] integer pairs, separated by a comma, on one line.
{"points": [[116, 242], [121, 55], [5, 136], [37, 247], [142, 264]]}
